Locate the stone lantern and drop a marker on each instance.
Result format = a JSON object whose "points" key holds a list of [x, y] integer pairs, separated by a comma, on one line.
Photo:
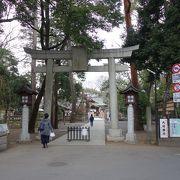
{"points": [[130, 93], [26, 100]]}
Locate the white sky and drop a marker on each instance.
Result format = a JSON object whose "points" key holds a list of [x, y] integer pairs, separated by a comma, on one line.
{"points": [[111, 40]]}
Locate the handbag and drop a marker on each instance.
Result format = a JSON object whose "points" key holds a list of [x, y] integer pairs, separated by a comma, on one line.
{"points": [[52, 134]]}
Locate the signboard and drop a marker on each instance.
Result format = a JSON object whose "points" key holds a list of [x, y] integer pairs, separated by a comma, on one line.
{"points": [[163, 128], [169, 106], [176, 87], [176, 97], [176, 78], [79, 59], [176, 68], [174, 125], [176, 81]]}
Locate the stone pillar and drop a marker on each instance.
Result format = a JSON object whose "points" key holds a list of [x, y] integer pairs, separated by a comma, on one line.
{"points": [[130, 136], [25, 136], [49, 87], [115, 134], [149, 124]]}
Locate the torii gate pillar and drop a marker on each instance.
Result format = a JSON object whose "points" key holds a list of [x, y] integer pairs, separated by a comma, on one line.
{"points": [[115, 134], [49, 87]]}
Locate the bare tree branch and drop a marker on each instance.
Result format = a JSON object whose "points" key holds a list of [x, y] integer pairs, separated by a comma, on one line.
{"points": [[29, 24], [7, 20], [59, 44]]}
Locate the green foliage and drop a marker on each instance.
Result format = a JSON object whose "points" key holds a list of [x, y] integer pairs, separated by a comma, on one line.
{"points": [[143, 103], [8, 61], [81, 76], [78, 87], [64, 21], [2, 8], [146, 92], [10, 81], [72, 20], [121, 104], [121, 85], [64, 87], [79, 20], [157, 34]]}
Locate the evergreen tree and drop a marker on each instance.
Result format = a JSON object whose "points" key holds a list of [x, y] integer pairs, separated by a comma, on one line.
{"points": [[158, 35], [10, 81]]}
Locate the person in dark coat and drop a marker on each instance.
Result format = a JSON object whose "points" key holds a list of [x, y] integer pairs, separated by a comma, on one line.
{"points": [[45, 129], [91, 119]]}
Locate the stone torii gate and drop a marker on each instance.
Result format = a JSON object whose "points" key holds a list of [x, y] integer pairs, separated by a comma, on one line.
{"points": [[79, 63]]}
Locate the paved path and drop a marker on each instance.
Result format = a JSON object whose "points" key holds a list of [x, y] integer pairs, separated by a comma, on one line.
{"points": [[113, 161], [97, 135]]}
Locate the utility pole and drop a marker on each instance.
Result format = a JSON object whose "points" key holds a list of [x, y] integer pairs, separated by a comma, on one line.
{"points": [[155, 106], [134, 76]]}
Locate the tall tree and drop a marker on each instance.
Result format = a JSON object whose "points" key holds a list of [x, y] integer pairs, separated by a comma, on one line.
{"points": [[133, 66], [10, 81], [157, 34], [64, 20], [158, 37]]}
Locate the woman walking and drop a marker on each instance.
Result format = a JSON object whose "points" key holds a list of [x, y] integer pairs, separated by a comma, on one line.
{"points": [[45, 129], [91, 120]]}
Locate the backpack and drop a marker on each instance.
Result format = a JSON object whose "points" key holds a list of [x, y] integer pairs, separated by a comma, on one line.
{"points": [[91, 118], [41, 126]]}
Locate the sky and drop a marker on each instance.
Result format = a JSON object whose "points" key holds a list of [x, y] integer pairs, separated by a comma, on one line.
{"points": [[112, 40]]}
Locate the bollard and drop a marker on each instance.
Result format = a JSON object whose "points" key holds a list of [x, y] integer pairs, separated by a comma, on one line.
{"points": [[80, 133]]}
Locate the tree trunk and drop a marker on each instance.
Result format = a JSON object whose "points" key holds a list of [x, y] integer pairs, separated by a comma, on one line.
{"points": [[134, 78], [33, 63], [127, 11], [73, 98], [35, 110], [55, 105], [166, 93], [44, 40]]}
